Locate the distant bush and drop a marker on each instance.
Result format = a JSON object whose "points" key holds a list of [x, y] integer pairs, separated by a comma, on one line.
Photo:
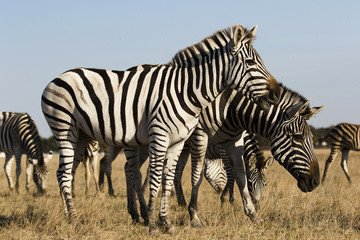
{"points": [[49, 144]]}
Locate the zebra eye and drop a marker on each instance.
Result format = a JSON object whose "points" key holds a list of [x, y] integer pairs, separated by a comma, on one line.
{"points": [[250, 62], [297, 137]]}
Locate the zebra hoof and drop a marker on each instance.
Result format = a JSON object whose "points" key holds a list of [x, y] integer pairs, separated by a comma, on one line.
{"points": [[196, 223], [153, 230], [256, 219], [112, 194], [171, 230]]}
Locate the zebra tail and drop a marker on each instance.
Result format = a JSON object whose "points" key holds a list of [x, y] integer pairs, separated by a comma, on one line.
{"points": [[41, 168]]}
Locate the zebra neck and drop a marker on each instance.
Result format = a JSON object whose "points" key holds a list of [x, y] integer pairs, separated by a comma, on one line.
{"points": [[246, 115], [204, 83]]}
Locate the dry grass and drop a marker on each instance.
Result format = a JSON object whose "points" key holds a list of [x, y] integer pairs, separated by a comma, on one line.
{"points": [[330, 212]]}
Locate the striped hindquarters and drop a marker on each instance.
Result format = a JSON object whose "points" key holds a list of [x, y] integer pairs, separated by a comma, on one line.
{"points": [[345, 136], [19, 131]]}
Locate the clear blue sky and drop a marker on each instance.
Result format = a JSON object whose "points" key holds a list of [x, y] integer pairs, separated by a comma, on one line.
{"points": [[310, 46]]}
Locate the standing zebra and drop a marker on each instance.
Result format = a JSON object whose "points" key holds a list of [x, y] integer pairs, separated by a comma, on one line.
{"points": [[157, 105], [343, 137], [284, 124], [18, 135]]}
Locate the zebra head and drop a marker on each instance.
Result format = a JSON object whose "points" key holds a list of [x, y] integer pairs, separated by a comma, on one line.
{"points": [[292, 145], [40, 172], [248, 72], [256, 174]]}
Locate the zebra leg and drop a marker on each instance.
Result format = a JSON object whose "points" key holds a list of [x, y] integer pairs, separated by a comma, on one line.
{"points": [[157, 152], [9, 159], [135, 159], [230, 182], [102, 173], [168, 175], [131, 195], [345, 157], [28, 174], [95, 169], [105, 166], [332, 156], [87, 176], [237, 166], [198, 148], [146, 180], [18, 169], [73, 171], [178, 175], [68, 153]]}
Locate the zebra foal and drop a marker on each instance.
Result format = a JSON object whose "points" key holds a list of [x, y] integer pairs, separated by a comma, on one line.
{"points": [[218, 173], [157, 105], [19, 135], [343, 137]]}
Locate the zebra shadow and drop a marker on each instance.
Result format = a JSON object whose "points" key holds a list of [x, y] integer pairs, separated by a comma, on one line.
{"points": [[30, 216], [5, 221]]}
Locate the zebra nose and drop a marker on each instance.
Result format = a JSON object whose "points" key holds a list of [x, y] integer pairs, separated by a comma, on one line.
{"points": [[314, 182]]}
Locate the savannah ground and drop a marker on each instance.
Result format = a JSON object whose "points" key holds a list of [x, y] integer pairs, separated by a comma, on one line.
{"points": [[332, 211]]}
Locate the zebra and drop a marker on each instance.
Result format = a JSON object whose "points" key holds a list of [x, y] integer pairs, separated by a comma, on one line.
{"points": [[217, 170], [90, 156], [343, 137], [220, 177], [157, 105], [19, 135], [284, 124]]}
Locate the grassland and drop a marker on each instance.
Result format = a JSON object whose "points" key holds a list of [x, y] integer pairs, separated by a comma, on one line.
{"points": [[332, 211]]}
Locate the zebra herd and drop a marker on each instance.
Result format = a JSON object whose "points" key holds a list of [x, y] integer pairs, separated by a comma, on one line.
{"points": [[209, 101]]}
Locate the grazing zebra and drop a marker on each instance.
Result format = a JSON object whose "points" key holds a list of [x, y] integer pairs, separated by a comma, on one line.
{"points": [[19, 135], [220, 176], [284, 124], [157, 105], [343, 137], [90, 156], [217, 168]]}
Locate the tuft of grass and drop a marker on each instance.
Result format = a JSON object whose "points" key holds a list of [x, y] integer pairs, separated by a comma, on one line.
{"points": [[332, 211]]}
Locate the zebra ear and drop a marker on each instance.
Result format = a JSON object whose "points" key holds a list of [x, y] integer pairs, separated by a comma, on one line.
{"points": [[252, 161], [311, 112], [238, 36], [293, 110], [268, 162], [252, 34], [243, 35]]}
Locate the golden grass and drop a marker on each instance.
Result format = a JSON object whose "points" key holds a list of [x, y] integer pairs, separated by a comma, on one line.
{"points": [[332, 211]]}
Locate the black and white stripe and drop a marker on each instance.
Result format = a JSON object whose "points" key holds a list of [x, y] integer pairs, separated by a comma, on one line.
{"points": [[157, 105], [343, 137], [19, 135]]}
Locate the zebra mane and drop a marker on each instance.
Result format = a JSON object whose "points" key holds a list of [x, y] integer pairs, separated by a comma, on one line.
{"points": [[290, 97], [206, 47]]}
